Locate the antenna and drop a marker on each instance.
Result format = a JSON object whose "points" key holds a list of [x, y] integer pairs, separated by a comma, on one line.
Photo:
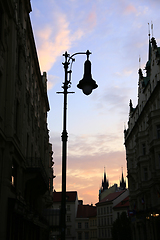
{"points": [[149, 31], [139, 61], [152, 28]]}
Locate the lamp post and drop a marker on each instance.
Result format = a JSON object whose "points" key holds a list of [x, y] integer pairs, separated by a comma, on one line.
{"points": [[87, 84]]}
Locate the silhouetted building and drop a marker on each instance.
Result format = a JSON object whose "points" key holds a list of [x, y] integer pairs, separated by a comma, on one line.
{"points": [[121, 207], [86, 222], [105, 185], [71, 212], [106, 214], [26, 173], [105, 182], [122, 183], [142, 142], [106, 190]]}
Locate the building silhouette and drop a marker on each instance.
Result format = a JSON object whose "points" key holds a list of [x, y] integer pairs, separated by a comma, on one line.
{"points": [[86, 222], [142, 142], [106, 190], [26, 166], [71, 212], [105, 182], [108, 212], [122, 183]]}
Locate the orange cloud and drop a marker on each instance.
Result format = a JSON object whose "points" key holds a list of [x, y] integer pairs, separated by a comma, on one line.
{"points": [[84, 173]]}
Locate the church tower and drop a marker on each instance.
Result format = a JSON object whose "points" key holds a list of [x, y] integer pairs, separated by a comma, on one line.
{"points": [[122, 182], [105, 182]]}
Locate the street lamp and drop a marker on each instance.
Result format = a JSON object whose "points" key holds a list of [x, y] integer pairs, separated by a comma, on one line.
{"points": [[87, 84]]}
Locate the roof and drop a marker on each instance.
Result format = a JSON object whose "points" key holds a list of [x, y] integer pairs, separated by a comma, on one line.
{"points": [[70, 196], [111, 197], [123, 203], [86, 211]]}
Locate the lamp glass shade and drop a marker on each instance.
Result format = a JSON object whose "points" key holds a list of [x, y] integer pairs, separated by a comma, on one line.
{"points": [[87, 89], [87, 84]]}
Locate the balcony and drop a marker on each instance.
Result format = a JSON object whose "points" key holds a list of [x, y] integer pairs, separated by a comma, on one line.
{"points": [[36, 173]]}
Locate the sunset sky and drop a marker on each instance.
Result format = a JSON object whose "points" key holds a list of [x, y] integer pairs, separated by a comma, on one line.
{"points": [[116, 32]]}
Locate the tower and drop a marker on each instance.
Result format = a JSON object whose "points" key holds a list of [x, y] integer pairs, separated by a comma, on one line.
{"points": [[105, 182], [122, 182]]}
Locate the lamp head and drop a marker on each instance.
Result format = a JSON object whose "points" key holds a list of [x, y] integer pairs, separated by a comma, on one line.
{"points": [[87, 84]]}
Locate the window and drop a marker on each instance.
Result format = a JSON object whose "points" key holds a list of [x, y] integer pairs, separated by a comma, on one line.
{"points": [[98, 211], [86, 225], [79, 225], [68, 218], [108, 232], [144, 148], [16, 116], [101, 210], [79, 235], [110, 209], [107, 209], [86, 235], [68, 208], [14, 174], [117, 214], [145, 173], [102, 232], [68, 231], [158, 131], [98, 221], [99, 232]]}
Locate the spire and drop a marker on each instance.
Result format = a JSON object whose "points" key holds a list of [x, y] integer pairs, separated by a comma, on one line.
{"points": [[104, 175], [122, 182], [149, 52], [148, 64], [105, 183]]}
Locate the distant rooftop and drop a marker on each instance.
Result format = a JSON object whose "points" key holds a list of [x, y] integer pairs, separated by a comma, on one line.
{"points": [[123, 203], [70, 196], [86, 211], [111, 196]]}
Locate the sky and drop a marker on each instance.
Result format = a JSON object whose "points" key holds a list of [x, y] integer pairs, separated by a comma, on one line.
{"points": [[116, 32]]}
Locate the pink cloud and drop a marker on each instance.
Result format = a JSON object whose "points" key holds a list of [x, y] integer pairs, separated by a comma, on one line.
{"points": [[84, 174], [54, 40], [130, 9], [92, 19]]}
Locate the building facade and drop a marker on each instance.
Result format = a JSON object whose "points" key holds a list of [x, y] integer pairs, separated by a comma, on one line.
{"points": [[106, 215], [86, 222], [26, 166], [142, 142], [106, 190], [71, 212]]}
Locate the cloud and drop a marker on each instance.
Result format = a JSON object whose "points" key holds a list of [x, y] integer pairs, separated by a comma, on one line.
{"points": [[52, 80], [85, 173], [87, 157], [51, 45], [54, 39], [130, 9], [114, 99], [91, 19]]}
